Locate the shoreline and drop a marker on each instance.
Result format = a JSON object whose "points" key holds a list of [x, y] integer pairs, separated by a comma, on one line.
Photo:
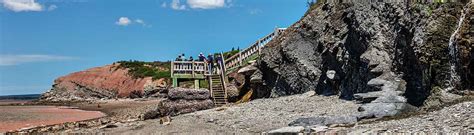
{"points": [[121, 110], [16, 118]]}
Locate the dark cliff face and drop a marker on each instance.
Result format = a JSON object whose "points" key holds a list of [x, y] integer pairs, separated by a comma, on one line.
{"points": [[338, 49]]}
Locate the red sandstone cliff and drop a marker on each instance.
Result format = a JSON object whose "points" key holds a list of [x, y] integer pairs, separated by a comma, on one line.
{"points": [[110, 81]]}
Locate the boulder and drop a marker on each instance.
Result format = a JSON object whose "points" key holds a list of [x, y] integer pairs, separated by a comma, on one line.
{"points": [[188, 94], [247, 70], [256, 77]]}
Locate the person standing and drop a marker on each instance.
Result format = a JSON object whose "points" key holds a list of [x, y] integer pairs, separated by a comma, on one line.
{"points": [[201, 57], [179, 58], [183, 57], [191, 58], [210, 63]]}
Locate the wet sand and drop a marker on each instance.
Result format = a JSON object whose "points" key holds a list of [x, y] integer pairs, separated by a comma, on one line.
{"points": [[7, 102], [16, 117]]}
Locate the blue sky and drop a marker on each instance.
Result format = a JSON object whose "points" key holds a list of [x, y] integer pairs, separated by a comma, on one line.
{"points": [[41, 40]]}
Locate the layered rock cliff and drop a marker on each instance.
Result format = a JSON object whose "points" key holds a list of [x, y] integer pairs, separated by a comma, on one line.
{"points": [[400, 52], [110, 81]]}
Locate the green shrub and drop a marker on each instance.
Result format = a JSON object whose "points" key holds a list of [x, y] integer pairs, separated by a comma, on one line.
{"points": [[140, 69], [203, 84]]}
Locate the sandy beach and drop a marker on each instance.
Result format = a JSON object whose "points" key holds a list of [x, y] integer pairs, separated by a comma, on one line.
{"points": [[17, 117]]}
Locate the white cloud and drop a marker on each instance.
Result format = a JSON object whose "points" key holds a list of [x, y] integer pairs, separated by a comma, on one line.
{"points": [[140, 21], [176, 5], [164, 5], [22, 5], [123, 21], [9, 60], [52, 7], [206, 4]]}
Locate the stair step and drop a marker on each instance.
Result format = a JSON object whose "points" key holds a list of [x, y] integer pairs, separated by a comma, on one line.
{"points": [[218, 92]]}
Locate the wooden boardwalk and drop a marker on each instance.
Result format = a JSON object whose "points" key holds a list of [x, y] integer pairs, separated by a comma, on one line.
{"points": [[198, 70]]}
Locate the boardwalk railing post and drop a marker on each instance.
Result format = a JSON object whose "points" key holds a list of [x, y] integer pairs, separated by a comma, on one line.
{"points": [[192, 68], [240, 58]]}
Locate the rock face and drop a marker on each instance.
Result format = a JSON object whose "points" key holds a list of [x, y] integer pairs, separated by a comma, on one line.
{"points": [[101, 82], [399, 52]]}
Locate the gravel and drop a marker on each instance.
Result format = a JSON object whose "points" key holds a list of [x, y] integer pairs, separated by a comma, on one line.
{"points": [[257, 116], [458, 118]]}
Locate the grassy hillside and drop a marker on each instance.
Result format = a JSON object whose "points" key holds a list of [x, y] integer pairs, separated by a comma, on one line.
{"points": [[141, 69]]}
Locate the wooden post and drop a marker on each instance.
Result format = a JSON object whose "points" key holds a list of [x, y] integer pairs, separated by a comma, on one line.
{"points": [[192, 68], [196, 83], [223, 63], [175, 82], [259, 49], [240, 58], [210, 85], [172, 68]]}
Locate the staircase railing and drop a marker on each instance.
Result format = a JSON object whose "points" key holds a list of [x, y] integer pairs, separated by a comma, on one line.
{"points": [[238, 59], [223, 74]]}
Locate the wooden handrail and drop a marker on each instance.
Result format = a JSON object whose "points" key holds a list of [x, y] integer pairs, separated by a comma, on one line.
{"points": [[237, 59]]}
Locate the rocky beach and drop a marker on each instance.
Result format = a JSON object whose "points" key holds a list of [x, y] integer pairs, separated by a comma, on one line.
{"points": [[343, 68]]}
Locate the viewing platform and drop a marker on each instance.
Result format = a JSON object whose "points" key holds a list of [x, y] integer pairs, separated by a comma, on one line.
{"points": [[195, 70], [198, 71]]}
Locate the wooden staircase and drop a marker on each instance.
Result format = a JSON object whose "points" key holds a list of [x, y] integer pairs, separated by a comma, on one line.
{"points": [[218, 91]]}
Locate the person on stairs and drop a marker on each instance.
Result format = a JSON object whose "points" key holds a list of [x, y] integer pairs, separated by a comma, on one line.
{"points": [[220, 62], [210, 63]]}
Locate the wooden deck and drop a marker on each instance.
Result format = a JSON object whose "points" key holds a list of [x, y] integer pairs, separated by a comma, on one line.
{"points": [[191, 70]]}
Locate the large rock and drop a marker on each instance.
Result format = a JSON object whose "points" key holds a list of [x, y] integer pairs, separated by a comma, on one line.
{"points": [[188, 94], [346, 49], [181, 106]]}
